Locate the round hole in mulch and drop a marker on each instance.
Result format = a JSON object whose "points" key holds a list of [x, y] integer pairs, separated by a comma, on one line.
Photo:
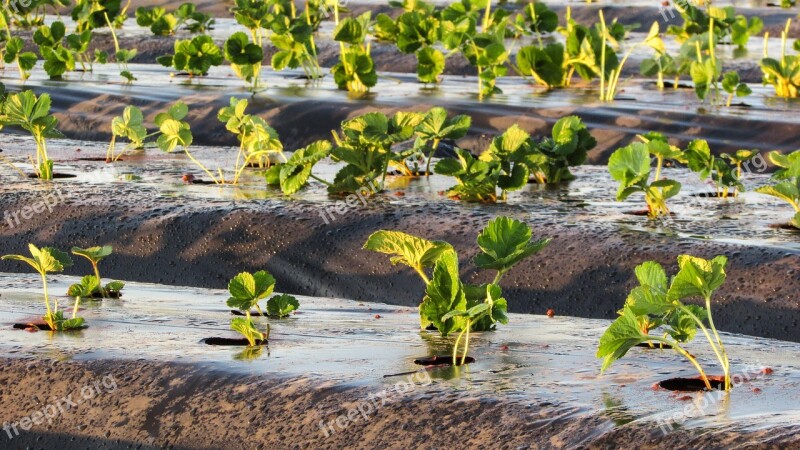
{"points": [[443, 361], [56, 176], [710, 195], [692, 384], [642, 213], [98, 296], [230, 342], [236, 312], [203, 182], [42, 327], [656, 346], [784, 226], [98, 159]]}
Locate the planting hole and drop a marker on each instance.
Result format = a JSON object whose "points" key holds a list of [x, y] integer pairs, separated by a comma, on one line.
{"points": [[691, 384], [42, 327], [655, 346], [443, 361], [56, 176], [229, 342]]}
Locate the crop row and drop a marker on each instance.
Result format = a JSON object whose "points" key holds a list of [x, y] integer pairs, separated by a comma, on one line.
{"points": [[474, 29], [450, 305], [373, 146]]}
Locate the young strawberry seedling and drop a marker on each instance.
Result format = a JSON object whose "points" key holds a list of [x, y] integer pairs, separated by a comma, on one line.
{"points": [[50, 260], [94, 255], [30, 113], [631, 167], [787, 187], [130, 126], [449, 304], [657, 302], [246, 291]]}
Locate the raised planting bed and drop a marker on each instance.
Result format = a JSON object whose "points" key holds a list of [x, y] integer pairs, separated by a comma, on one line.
{"points": [[538, 373], [312, 242]]}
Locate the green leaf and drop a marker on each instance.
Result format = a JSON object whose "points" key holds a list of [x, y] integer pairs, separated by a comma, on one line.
{"points": [[787, 191], [652, 274], [247, 289], [621, 336], [246, 328], [682, 326], [504, 242], [44, 260], [436, 125], [282, 305], [430, 65], [412, 251], [88, 286], [93, 254], [630, 166], [697, 277], [444, 294]]}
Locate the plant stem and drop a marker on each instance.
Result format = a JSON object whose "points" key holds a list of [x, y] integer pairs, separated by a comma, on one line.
{"points": [[46, 298], [725, 362], [189, 154], [466, 341], [430, 156], [110, 152], [659, 165], [77, 304], [602, 57], [680, 350], [487, 15], [422, 275], [314, 177]]}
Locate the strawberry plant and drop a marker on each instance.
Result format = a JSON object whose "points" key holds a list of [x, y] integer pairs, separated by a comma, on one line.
{"points": [[365, 145], [294, 39], [246, 291], [175, 133], [245, 58], [787, 187], [435, 127], [257, 140], [163, 23], [477, 180], [652, 40], [630, 166], [733, 86], [129, 126], [416, 32], [32, 114], [78, 44], [58, 59], [91, 14], [194, 56], [568, 146], [514, 158], [449, 304], [50, 260], [585, 52], [13, 54], [783, 75], [297, 170], [658, 302], [30, 13], [94, 255], [355, 71], [699, 158]]}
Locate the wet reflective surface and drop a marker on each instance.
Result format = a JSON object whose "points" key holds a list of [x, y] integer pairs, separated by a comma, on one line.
{"points": [[533, 360], [587, 202]]}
